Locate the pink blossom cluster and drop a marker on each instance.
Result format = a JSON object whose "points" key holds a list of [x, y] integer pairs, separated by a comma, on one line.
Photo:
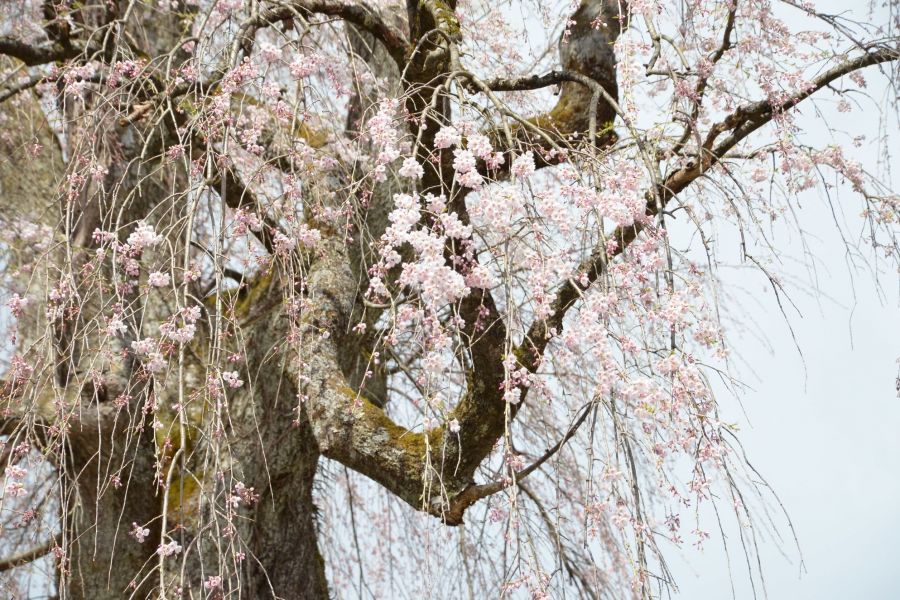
{"points": [[385, 136], [182, 327]]}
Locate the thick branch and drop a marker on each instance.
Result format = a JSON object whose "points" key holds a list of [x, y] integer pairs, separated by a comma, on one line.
{"points": [[475, 493], [20, 87], [356, 13], [32, 554], [748, 118], [531, 82], [347, 426], [742, 122], [588, 95], [38, 55]]}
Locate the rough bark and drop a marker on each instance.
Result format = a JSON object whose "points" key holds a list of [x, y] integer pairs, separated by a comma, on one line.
{"points": [[105, 562], [275, 452]]}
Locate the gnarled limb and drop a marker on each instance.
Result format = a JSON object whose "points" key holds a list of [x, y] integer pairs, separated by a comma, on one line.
{"points": [[359, 14], [348, 427], [42, 54]]}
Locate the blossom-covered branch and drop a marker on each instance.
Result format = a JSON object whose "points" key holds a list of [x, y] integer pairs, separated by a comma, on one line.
{"points": [[741, 123]]}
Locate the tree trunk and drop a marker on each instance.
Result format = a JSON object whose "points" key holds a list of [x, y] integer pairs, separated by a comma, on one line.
{"points": [[284, 529], [276, 454], [113, 465]]}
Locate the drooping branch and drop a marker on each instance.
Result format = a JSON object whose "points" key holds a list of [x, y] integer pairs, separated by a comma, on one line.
{"points": [[351, 429], [235, 194], [703, 83], [228, 184], [475, 493], [590, 73], [741, 123]]}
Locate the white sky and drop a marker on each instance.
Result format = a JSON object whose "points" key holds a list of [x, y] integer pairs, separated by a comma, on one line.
{"points": [[824, 428], [826, 435]]}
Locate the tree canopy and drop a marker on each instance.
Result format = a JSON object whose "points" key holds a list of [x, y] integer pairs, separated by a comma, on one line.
{"points": [[369, 298]]}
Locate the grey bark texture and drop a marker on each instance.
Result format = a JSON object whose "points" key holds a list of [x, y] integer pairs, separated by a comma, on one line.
{"points": [[113, 462]]}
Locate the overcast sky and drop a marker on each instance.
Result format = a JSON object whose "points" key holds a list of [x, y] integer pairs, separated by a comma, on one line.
{"points": [[824, 428]]}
